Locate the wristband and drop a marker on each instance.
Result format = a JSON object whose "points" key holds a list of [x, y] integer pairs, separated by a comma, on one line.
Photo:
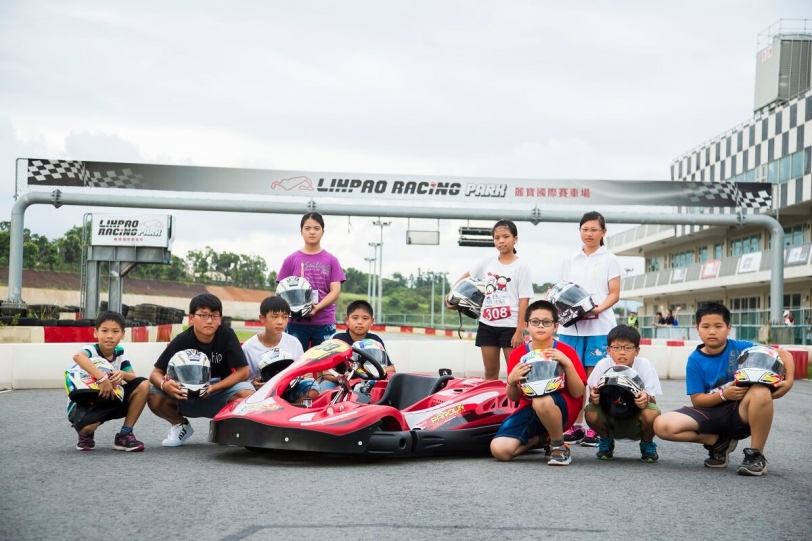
{"points": [[102, 379], [722, 394]]}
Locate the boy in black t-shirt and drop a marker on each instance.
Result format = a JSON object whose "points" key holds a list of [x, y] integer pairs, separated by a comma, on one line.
{"points": [[229, 371]]}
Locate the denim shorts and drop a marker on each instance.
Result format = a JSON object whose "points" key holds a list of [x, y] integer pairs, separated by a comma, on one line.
{"points": [[310, 335], [208, 406], [523, 424], [301, 389], [590, 349], [622, 429]]}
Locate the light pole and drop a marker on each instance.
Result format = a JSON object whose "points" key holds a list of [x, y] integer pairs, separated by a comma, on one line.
{"points": [[375, 246], [381, 224], [442, 300], [431, 274], [369, 260], [626, 301]]}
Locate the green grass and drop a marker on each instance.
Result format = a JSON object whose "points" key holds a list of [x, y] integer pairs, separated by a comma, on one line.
{"points": [[245, 335]]}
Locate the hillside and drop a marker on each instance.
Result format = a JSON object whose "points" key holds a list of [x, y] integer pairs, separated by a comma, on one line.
{"points": [[70, 282]]}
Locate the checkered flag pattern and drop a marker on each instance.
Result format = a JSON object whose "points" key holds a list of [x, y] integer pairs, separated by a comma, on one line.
{"points": [[704, 192], [52, 171], [75, 173]]}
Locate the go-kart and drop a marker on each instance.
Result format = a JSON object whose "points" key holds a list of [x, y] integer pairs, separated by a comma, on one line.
{"points": [[408, 414]]}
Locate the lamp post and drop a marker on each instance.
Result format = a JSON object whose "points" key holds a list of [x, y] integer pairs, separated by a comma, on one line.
{"points": [[369, 260], [442, 300], [626, 301], [381, 224], [432, 276], [375, 257]]}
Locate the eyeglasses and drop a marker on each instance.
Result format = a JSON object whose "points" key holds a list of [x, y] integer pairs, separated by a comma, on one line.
{"points": [[593, 231], [208, 317], [623, 348], [541, 322]]}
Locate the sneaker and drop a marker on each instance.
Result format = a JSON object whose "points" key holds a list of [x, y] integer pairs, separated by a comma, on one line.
{"points": [[178, 434], [719, 452], [606, 448], [648, 451], [574, 435], [590, 439], [544, 444], [127, 442], [560, 456], [754, 463], [86, 443]]}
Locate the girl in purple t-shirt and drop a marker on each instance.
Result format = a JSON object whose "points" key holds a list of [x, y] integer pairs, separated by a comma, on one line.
{"points": [[325, 275]]}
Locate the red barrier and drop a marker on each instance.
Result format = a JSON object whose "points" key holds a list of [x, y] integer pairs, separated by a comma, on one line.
{"points": [[69, 334], [645, 341], [801, 358], [675, 343], [407, 329], [139, 334]]}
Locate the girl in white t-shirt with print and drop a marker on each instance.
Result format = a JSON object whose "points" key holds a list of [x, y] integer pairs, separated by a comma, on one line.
{"points": [[508, 289], [598, 272]]}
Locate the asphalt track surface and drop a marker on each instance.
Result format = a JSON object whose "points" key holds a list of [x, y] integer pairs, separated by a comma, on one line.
{"points": [[211, 492]]}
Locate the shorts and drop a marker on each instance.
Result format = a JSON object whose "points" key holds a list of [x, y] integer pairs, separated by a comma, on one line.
{"points": [[524, 424], [723, 420], [590, 349], [623, 429], [208, 406], [310, 335], [301, 389], [487, 335], [81, 415]]}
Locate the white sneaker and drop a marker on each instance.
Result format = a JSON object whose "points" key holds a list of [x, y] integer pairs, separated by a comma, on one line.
{"points": [[178, 434]]}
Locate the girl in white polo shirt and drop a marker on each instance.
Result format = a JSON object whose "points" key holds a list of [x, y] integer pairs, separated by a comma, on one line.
{"points": [[598, 272], [508, 289]]}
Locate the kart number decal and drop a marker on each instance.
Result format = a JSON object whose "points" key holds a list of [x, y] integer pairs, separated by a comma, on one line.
{"points": [[325, 349]]}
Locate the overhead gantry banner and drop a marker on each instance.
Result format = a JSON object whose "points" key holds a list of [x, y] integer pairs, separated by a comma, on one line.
{"points": [[415, 188]]}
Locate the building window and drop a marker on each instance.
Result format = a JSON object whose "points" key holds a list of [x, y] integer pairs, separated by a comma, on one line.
{"points": [[746, 245], [745, 303], [718, 251], [797, 165], [743, 310], [653, 264], [682, 259], [783, 169], [701, 254], [794, 235]]}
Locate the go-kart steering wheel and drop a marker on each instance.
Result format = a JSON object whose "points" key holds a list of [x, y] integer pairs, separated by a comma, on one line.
{"points": [[363, 371]]}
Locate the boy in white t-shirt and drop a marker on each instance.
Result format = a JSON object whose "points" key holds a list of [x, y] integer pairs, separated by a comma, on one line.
{"points": [[623, 347], [274, 314]]}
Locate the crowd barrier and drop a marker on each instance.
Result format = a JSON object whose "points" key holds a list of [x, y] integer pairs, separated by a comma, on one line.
{"points": [[42, 366]]}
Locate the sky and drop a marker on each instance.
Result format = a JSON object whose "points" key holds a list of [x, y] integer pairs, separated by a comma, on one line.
{"points": [[518, 89]]}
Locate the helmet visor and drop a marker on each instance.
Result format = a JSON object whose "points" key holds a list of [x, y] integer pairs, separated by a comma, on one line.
{"points": [[543, 370], [190, 374], [571, 295], [763, 359], [296, 298]]}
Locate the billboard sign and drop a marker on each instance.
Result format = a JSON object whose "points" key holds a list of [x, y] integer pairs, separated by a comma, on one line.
{"points": [[152, 230]]}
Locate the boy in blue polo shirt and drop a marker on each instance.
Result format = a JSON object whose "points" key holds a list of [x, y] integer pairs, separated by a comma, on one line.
{"points": [[721, 413]]}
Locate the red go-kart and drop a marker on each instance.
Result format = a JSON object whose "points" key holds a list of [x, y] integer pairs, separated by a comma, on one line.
{"points": [[408, 414]]}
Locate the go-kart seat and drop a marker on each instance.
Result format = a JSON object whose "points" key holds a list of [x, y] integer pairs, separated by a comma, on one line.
{"points": [[404, 390]]}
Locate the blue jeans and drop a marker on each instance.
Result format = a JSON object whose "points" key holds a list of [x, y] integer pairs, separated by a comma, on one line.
{"points": [[310, 335], [208, 406]]}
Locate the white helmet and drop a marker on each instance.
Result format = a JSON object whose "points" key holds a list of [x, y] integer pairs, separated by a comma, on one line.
{"points": [[467, 296], [571, 301], [546, 376], [298, 292], [82, 387], [272, 362], [760, 364], [191, 369]]}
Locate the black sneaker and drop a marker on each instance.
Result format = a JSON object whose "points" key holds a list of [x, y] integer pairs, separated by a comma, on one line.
{"points": [[754, 463], [86, 443], [648, 452], [719, 452], [127, 442], [606, 448], [590, 439]]}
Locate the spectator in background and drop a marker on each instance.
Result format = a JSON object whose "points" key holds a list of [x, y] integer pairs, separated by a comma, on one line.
{"points": [[659, 320], [788, 319], [671, 317], [633, 320]]}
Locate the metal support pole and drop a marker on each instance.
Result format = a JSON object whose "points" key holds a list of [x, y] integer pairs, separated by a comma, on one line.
{"points": [[115, 286], [369, 260], [381, 224], [442, 302], [375, 279], [515, 213], [432, 299], [92, 283]]}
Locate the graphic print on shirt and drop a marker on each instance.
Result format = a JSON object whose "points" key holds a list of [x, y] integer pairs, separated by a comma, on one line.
{"points": [[496, 305]]}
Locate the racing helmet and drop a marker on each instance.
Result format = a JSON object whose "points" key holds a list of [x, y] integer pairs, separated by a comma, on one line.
{"points": [[272, 362], [298, 292], [572, 302], [375, 350], [83, 388], [618, 387], [467, 296], [546, 376], [760, 364], [191, 369]]}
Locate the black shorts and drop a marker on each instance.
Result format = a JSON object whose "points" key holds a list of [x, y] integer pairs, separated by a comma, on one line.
{"points": [[723, 420], [81, 415], [487, 335]]}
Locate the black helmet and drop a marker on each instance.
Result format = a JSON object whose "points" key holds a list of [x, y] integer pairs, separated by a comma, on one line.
{"points": [[760, 364], [571, 301], [618, 387], [467, 295]]}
